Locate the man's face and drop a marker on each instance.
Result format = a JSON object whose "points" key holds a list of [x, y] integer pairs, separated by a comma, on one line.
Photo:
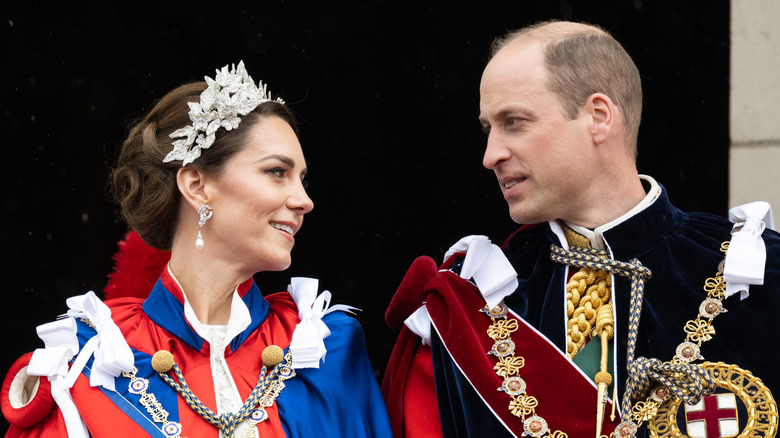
{"points": [[541, 158]]}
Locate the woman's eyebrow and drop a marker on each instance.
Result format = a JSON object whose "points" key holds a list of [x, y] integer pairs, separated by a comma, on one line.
{"points": [[284, 159]]}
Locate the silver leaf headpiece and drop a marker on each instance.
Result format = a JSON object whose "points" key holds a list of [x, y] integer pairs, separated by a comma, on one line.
{"points": [[232, 93]]}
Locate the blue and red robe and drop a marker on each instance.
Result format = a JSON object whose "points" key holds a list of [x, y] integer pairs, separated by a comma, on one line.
{"points": [[340, 398]]}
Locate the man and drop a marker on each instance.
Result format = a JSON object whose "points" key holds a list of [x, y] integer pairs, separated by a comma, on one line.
{"points": [[610, 294]]}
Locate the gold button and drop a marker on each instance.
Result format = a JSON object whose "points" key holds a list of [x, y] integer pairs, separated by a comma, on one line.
{"points": [[162, 361], [272, 355]]}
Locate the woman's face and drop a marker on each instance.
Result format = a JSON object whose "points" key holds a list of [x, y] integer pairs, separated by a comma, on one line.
{"points": [[259, 199]]}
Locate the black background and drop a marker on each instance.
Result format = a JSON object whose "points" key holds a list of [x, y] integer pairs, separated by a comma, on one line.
{"points": [[388, 96]]}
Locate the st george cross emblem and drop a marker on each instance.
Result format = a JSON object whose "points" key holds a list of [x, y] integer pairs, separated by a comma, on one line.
{"points": [[713, 417], [742, 406]]}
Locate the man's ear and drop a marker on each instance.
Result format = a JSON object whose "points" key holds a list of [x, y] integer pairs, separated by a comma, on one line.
{"points": [[192, 186], [603, 114]]}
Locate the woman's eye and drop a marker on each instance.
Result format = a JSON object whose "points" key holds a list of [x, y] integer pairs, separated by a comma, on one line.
{"points": [[277, 171], [305, 183]]}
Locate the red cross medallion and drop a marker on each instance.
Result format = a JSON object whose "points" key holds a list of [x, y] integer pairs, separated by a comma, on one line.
{"points": [[709, 416]]}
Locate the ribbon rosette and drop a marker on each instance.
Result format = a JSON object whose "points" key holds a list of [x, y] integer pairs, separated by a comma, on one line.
{"points": [[307, 346]]}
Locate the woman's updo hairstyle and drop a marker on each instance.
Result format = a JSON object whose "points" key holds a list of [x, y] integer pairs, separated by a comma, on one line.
{"points": [[145, 188]]}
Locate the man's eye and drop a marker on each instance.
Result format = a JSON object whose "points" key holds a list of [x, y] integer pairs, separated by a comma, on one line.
{"points": [[515, 123]]}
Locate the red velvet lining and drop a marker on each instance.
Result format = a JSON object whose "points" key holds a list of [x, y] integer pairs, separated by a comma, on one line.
{"points": [[402, 382], [421, 412]]}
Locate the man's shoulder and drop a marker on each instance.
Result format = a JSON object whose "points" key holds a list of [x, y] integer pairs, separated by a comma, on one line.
{"points": [[528, 234], [721, 226]]}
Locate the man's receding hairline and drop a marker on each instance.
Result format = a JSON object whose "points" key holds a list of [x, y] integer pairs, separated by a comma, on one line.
{"points": [[545, 33]]}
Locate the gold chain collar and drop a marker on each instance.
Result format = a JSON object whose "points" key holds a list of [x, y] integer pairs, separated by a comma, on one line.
{"points": [[523, 405]]}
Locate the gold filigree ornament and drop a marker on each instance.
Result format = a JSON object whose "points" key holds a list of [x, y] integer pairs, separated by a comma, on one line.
{"points": [[716, 415], [523, 405], [508, 366], [699, 330], [644, 411]]}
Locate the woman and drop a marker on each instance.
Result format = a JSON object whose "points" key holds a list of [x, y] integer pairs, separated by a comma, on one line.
{"points": [[214, 173]]}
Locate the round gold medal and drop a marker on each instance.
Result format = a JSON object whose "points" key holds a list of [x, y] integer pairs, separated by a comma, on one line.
{"points": [[739, 394]]}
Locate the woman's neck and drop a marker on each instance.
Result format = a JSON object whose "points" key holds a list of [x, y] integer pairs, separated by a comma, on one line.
{"points": [[208, 286]]}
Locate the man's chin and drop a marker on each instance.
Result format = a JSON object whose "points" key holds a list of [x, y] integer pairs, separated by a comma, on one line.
{"points": [[524, 217]]}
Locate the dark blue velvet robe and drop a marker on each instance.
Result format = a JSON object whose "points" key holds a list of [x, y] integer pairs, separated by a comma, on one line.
{"points": [[682, 250]]}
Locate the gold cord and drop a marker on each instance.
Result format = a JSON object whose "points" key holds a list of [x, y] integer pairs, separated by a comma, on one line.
{"points": [[588, 304], [586, 291]]}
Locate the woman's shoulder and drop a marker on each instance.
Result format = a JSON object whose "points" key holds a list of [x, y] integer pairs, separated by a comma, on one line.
{"points": [[126, 312], [343, 320], [281, 302]]}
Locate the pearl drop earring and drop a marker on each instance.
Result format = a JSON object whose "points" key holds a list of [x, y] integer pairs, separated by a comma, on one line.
{"points": [[204, 213]]}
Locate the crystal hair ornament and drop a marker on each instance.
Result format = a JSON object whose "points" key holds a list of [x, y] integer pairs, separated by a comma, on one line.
{"points": [[232, 93]]}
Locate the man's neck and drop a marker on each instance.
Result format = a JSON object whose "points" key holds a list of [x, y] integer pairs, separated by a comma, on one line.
{"points": [[651, 191]]}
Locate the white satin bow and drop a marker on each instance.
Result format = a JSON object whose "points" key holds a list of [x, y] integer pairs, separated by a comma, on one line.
{"points": [[61, 343], [487, 265], [307, 346], [746, 257], [112, 355]]}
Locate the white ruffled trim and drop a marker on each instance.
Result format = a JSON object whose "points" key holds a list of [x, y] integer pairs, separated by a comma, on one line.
{"points": [[307, 346], [108, 346], [746, 258]]}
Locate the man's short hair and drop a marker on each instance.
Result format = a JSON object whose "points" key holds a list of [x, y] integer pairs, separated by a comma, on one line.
{"points": [[583, 60]]}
